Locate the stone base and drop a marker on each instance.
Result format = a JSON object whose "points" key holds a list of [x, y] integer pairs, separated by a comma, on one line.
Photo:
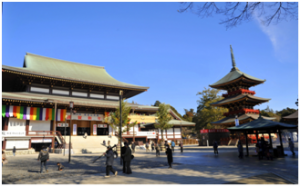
{"points": [[20, 152]]}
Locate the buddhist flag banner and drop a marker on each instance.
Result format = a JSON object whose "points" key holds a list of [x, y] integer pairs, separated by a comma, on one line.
{"points": [[32, 113]]}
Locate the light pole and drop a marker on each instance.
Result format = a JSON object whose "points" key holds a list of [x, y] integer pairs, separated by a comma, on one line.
{"points": [[71, 107], [120, 131]]}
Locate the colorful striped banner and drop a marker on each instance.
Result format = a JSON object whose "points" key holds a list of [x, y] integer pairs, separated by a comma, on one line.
{"points": [[33, 113]]}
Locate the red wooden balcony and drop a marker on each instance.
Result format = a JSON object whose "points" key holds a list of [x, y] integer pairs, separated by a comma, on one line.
{"points": [[240, 91]]}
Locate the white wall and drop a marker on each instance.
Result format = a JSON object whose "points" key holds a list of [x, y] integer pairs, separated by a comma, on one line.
{"points": [[16, 125], [39, 125], [19, 144]]}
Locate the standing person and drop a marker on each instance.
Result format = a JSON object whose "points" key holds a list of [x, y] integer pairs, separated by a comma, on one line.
{"points": [[123, 150], [173, 145], [133, 147], [216, 147], [4, 160], [291, 145], [152, 146], [104, 142], [169, 156], [109, 162], [43, 157], [157, 149], [147, 146], [14, 151], [127, 158], [181, 146], [240, 149]]}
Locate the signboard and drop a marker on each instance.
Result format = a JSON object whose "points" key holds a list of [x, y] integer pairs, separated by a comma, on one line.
{"points": [[102, 125], [74, 129], [151, 135], [95, 129], [85, 116], [213, 130], [41, 140], [13, 133], [62, 125]]}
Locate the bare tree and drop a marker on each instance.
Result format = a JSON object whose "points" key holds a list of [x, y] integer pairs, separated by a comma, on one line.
{"points": [[238, 12]]}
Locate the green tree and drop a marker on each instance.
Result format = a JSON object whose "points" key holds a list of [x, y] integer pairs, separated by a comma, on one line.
{"points": [[115, 116], [157, 103], [206, 114], [189, 114], [163, 119], [285, 112]]}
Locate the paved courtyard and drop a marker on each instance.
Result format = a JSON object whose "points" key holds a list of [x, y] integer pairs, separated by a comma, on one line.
{"points": [[196, 165]]}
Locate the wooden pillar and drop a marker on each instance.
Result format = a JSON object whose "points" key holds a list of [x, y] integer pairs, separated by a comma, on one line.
{"points": [[246, 135], [91, 128], [174, 134], [29, 146], [279, 132], [270, 137], [27, 127], [6, 123], [54, 127], [166, 134], [4, 144]]}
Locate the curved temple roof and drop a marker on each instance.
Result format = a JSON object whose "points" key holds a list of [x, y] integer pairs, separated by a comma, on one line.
{"points": [[40, 65], [239, 98]]}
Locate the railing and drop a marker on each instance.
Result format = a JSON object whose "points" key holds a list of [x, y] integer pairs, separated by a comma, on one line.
{"points": [[240, 91], [241, 111]]}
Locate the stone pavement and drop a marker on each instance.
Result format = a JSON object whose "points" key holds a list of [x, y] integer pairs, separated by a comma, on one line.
{"points": [[196, 165]]}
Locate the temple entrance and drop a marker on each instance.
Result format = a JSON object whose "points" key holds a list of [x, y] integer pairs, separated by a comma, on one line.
{"points": [[62, 130], [82, 130], [102, 131]]}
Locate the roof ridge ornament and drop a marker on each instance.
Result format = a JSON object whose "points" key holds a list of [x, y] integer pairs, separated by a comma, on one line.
{"points": [[233, 60]]}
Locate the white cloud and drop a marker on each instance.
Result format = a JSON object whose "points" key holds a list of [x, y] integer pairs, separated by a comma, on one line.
{"points": [[283, 36]]}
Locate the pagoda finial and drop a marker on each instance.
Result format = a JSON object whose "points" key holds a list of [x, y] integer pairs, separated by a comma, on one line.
{"points": [[232, 57]]}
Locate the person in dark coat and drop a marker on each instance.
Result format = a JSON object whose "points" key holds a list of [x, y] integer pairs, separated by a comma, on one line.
{"points": [[109, 162], [169, 156], [127, 158], [43, 157], [14, 150], [157, 147], [152, 146], [216, 147], [240, 149], [123, 150], [104, 142]]}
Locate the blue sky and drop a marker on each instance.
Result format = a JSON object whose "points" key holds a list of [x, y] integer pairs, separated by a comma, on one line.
{"points": [[151, 44]]}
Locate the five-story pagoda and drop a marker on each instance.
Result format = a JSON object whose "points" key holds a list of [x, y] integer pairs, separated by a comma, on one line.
{"points": [[239, 100]]}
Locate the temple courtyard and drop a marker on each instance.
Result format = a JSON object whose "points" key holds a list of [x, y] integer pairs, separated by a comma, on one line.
{"points": [[196, 165]]}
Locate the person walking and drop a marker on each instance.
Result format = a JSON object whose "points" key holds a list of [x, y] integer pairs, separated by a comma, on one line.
{"points": [[104, 142], [152, 146], [169, 156], [123, 150], [291, 145], [173, 145], [157, 150], [147, 146], [109, 162], [43, 157], [240, 149], [216, 148], [14, 150], [127, 158], [133, 147]]}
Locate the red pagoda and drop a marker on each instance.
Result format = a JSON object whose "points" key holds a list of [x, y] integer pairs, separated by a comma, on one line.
{"points": [[239, 100]]}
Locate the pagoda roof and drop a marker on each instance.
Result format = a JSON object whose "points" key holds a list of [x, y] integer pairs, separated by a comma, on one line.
{"points": [[238, 98], [83, 73], [292, 116], [229, 120], [235, 74]]}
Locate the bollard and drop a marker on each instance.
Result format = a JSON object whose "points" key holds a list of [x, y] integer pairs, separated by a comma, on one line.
{"points": [[207, 142]]}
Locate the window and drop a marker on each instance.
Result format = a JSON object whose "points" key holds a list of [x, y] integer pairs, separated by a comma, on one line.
{"points": [[81, 94], [39, 89], [61, 92], [112, 97], [101, 96]]}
